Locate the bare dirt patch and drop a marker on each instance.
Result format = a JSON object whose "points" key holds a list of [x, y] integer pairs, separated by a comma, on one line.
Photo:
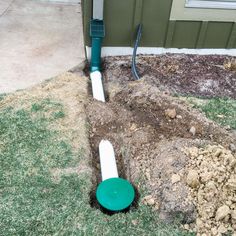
{"points": [[207, 76]]}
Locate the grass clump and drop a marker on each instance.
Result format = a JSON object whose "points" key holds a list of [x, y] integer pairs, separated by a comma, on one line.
{"points": [[221, 110], [33, 203]]}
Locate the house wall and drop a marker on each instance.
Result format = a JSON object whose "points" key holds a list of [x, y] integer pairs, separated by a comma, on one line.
{"points": [[160, 28]]}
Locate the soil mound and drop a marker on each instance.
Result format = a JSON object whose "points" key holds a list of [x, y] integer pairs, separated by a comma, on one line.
{"points": [[150, 131]]}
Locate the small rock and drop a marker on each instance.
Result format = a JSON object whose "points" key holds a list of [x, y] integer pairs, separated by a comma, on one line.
{"points": [[133, 127], [199, 223], [179, 117], [192, 130], [206, 176], [171, 113], [222, 229], [218, 152], [148, 200], [175, 178], [193, 179], [186, 227], [232, 147], [94, 130], [193, 152], [233, 215], [214, 231], [151, 202], [134, 222], [222, 212], [231, 184]]}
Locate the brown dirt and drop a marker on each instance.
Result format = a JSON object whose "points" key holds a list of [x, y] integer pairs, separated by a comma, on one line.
{"points": [[149, 144], [206, 76], [150, 129], [214, 191]]}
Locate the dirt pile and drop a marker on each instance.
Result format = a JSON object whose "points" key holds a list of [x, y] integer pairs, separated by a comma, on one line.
{"points": [[211, 177], [149, 131]]}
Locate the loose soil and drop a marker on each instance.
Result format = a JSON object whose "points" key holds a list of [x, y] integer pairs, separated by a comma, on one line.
{"points": [[212, 180], [205, 76], [149, 142]]}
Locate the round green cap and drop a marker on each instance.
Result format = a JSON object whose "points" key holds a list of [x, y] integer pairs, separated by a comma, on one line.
{"points": [[115, 194]]}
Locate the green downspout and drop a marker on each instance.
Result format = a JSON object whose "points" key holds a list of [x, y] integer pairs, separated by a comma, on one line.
{"points": [[97, 33]]}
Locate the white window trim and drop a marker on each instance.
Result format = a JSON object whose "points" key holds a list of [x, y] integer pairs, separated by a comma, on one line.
{"points": [[180, 12], [210, 4]]}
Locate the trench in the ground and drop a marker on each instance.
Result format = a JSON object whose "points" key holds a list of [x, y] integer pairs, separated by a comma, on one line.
{"points": [[143, 118], [122, 161], [148, 116]]}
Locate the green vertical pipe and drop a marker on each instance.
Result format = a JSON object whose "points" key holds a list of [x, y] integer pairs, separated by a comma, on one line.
{"points": [[96, 54], [97, 33]]}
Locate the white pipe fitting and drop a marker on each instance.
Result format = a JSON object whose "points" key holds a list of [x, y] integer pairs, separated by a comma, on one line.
{"points": [[97, 86], [107, 160]]}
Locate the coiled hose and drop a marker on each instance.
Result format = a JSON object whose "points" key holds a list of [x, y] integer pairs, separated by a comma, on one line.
{"points": [[133, 67]]}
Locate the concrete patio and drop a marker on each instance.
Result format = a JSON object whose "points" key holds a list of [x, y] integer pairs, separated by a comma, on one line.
{"points": [[38, 40]]}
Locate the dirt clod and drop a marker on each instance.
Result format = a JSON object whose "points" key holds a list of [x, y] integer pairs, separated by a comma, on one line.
{"points": [[222, 212], [192, 130], [232, 147], [175, 178], [149, 200], [230, 64], [193, 178], [171, 113]]}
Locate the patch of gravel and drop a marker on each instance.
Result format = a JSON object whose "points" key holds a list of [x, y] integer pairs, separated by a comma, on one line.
{"points": [[211, 177]]}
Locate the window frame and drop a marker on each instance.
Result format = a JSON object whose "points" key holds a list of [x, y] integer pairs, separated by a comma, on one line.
{"points": [[210, 4], [181, 13]]}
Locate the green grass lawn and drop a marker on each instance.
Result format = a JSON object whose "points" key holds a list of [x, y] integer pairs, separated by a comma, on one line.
{"points": [[33, 203], [223, 111]]}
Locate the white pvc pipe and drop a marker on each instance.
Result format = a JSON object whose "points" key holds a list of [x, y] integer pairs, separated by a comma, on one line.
{"points": [[97, 86], [107, 160]]}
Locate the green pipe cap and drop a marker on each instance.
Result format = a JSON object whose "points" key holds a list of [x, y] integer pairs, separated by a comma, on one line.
{"points": [[115, 194]]}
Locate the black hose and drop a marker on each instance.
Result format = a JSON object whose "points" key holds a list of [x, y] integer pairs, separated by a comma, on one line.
{"points": [[133, 67]]}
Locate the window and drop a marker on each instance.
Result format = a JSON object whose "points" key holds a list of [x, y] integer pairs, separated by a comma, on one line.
{"points": [[180, 11], [222, 4]]}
